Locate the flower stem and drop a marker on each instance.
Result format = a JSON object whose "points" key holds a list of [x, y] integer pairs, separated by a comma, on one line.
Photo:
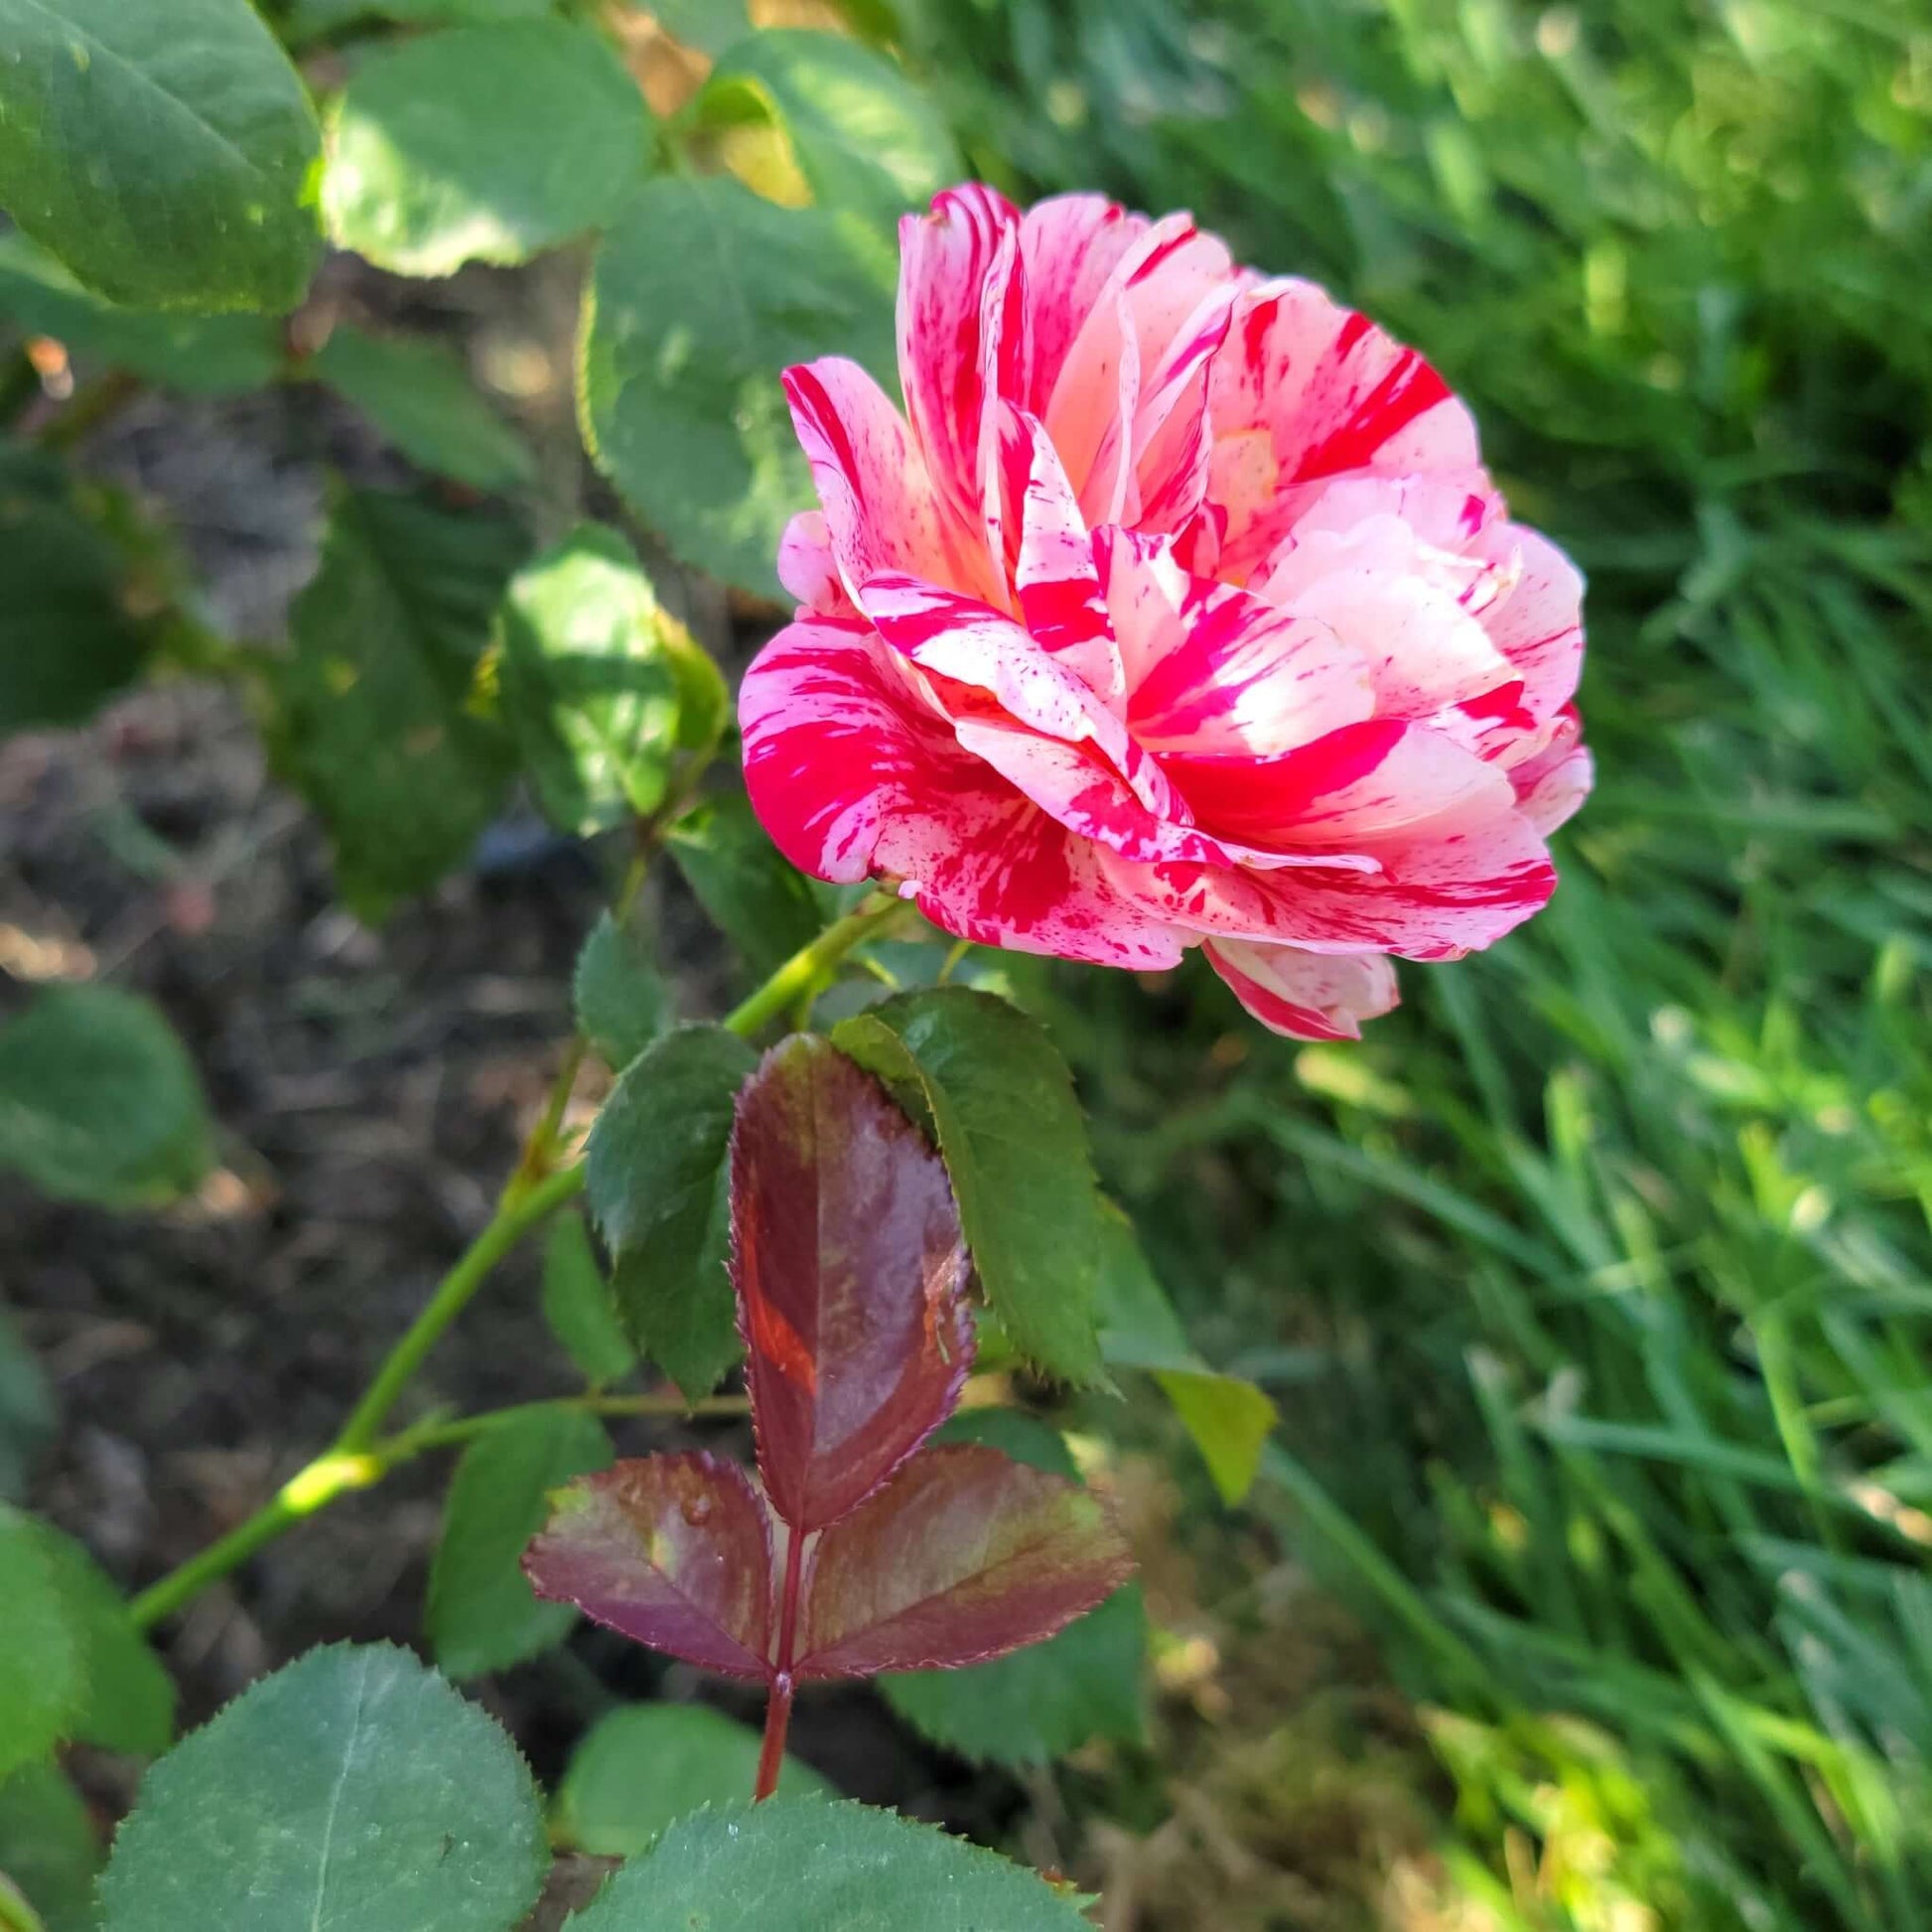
{"points": [[359, 1457], [801, 973]]}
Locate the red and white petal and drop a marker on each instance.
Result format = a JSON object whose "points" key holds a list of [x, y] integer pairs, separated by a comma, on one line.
{"points": [[1539, 624], [808, 569], [1226, 674], [1090, 418], [1173, 434], [1307, 995], [1429, 898], [1354, 790], [956, 638], [880, 510], [947, 261], [1052, 561], [1334, 394], [837, 745], [1069, 247], [1003, 873], [1552, 786]]}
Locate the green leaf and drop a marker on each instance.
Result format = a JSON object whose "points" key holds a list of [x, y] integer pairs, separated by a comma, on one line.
{"points": [[809, 1862], [1050, 1698], [41, 1661], [647, 1765], [130, 1699], [309, 19], [27, 1415], [419, 395], [761, 903], [67, 638], [700, 295], [578, 1304], [48, 1848], [592, 683], [97, 1100], [710, 26], [1230, 1419], [1001, 1105], [221, 354], [161, 149], [354, 1791], [375, 722], [486, 143], [657, 1178], [621, 1001], [482, 1614], [862, 135]]}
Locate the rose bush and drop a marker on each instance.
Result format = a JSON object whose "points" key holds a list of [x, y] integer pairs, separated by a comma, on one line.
{"points": [[1177, 607]]}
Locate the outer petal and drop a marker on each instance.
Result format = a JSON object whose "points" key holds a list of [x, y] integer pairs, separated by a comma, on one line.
{"points": [[949, 333], [881, 509], [1307, 995], [1552, 786], [808, 569], [1539, 624], [1069, 247], [837, 744]]}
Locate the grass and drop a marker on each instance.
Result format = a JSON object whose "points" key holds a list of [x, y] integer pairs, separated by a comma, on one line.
{"points": [[1598, 1279]]}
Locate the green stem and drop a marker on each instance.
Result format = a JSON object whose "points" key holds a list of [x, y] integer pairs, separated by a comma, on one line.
{"points": [[801, 973], [359, 1456], [512, 1220]]}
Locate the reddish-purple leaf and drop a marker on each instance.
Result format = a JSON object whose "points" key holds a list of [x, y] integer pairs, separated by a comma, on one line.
{"points": [[964, 1555], [850, 1271], [674, 1551]]}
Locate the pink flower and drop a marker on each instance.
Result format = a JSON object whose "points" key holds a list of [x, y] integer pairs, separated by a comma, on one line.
{"points": [[1176, 607]]}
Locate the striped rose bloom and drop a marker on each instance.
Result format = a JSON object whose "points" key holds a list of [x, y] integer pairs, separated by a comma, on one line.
{"points": [[1176, 608]]}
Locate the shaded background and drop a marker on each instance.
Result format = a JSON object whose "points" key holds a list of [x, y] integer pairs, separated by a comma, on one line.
{"points": [[1589, 1587]]}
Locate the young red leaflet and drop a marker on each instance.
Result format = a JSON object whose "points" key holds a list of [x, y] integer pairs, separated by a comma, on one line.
{"points": [[850, 1267]]}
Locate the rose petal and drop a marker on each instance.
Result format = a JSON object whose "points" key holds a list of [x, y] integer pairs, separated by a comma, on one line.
{"points": [[1307, 995]]}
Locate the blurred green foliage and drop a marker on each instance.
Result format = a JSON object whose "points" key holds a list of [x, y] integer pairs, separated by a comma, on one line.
{"points": [[1596, 1281]]}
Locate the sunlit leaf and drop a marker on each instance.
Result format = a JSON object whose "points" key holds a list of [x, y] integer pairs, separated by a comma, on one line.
{"points": [[673, 1551], [482, 1615], [849, 1273], [590, 681], [161, 149], [353, 1791], [647, 1765], [964, 1555], [822, 1864], [700, 295], [487, 143], [656, 1181], [863, 136], [1016, 1146]]}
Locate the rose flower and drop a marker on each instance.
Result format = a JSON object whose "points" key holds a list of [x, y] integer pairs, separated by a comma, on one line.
{"points": [[1178, 607]]}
